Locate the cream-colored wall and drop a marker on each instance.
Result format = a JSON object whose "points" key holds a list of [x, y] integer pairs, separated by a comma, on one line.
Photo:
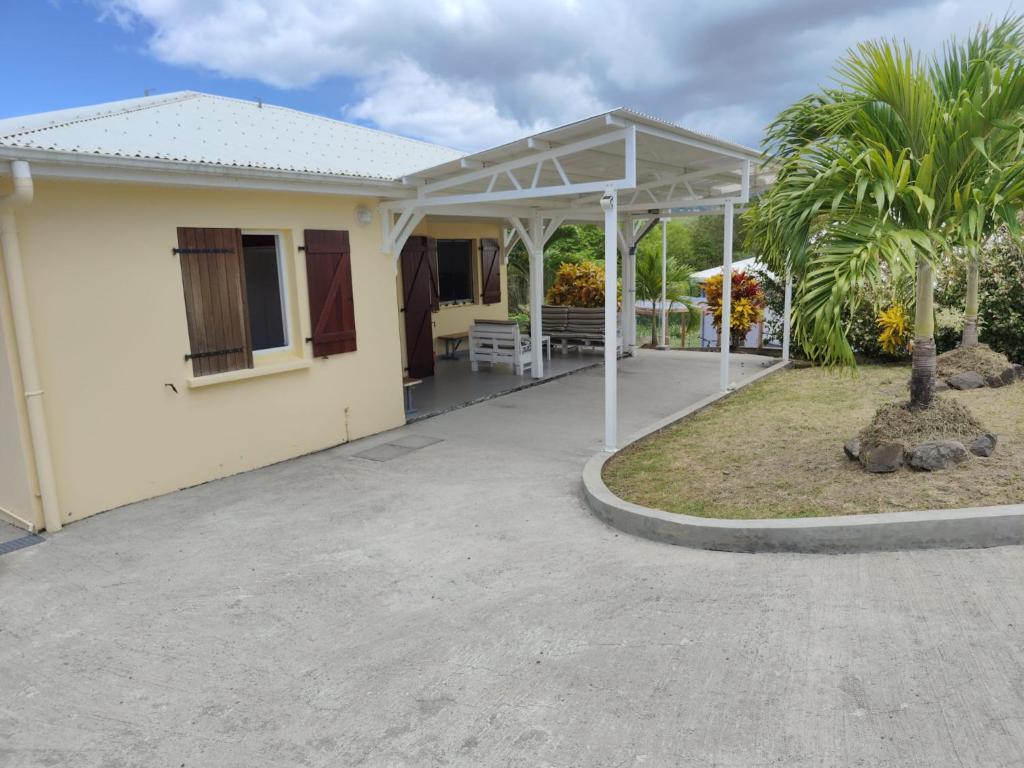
{"points": [[456, 318], [109, 316], [17, 489]]}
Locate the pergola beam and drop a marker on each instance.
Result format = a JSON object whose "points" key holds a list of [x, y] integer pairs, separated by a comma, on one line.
{"points": [[624, 134]]}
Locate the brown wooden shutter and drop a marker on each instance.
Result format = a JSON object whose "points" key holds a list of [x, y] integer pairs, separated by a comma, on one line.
{"points": [[419, 293], [332, 314], [435, 284], [490, 270], [213, 279]]}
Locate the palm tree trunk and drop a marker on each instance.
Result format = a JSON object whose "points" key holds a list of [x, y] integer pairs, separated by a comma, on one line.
{"points": [[922, 372], [970, 337], [654, 324]]}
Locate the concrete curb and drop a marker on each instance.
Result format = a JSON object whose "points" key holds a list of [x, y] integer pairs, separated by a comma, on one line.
{"points": [[969, 528]]}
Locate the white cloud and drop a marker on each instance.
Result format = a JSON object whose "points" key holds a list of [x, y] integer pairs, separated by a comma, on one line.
{"points": [[472, 73], [402, 98]]}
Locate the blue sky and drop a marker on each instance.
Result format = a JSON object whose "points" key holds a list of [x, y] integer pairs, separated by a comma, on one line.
{"points": [[464, 73], [71, 56]]}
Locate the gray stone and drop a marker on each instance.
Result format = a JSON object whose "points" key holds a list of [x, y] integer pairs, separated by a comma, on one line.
{"points": [[941, 386], [984, 445], [966, 380], [1019, 370], [852, 448], [937, 454], [1008, 376], [882, 458]]}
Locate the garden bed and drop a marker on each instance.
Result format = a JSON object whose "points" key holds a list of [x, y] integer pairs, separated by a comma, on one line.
{"points": [[774, 450]]}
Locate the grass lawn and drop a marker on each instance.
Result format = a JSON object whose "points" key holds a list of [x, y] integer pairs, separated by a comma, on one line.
{"points": [[775, 449]]}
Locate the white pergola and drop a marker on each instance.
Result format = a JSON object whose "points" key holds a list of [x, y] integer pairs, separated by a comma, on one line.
{"points": [[623, 169]]}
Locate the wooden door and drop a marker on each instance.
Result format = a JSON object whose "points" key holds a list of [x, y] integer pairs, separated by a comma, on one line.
{"points": [[419, 293]]}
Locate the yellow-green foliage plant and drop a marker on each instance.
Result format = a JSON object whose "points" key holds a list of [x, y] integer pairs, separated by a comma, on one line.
{"points": [[746, 305], [895, 330], [578, 285]]}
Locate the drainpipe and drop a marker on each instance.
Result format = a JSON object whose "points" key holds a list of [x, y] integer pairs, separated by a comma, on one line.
{"points": [[22, 196]]}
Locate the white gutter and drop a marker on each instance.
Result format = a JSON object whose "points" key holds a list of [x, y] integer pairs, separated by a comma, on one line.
{"points": [[22, 196]]}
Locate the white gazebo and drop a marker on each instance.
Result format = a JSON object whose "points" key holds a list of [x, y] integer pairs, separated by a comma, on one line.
{"points": [[621, 168]]}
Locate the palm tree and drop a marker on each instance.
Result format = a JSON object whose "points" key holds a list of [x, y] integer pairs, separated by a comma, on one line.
{"points": [[979, 71], [897, 165], [679, 284]]}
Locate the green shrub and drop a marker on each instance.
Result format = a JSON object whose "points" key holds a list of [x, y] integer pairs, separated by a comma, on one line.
{"points": [[1001, 297], [949, 328]]}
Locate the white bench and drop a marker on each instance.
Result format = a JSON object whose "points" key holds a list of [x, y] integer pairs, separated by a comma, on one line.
{"points": [[499, 341]]}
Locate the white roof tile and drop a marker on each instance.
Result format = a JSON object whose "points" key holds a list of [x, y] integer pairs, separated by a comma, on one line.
{"points": [[202, 128]]}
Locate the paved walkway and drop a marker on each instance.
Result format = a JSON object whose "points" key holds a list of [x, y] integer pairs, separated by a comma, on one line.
{"points": [[459, 606]]}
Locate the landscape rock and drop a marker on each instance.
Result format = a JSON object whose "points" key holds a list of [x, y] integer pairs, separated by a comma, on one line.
{"points": [[1008, 376], [1019, 370], [966, 380], [941, 386], [937, 454], [984, 445], [852, 448], [882, 458]]}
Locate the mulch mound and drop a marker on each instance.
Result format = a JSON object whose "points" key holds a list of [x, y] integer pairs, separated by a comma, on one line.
{"points": [[944, 420], [980, 358]]}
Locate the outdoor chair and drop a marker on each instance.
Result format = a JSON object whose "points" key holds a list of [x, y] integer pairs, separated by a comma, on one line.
{"points": [[499, 341]]}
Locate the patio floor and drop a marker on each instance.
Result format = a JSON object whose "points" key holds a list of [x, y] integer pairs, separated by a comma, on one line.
{"points": [[458, 605], [454, 384]]}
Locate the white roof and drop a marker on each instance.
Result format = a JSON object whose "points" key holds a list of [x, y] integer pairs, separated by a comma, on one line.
{"points": [[744, 265], [201, 128]]}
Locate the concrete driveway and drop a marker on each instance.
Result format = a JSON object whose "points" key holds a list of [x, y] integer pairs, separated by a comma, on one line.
{"points": [[458, 606]]}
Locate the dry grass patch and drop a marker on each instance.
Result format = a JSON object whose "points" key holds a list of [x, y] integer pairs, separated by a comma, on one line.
{"points": [[775, 449], [947, 419], [980, 358]]}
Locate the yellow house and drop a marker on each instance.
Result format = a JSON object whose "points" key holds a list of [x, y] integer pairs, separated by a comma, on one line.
{"points": [[194, 286]]}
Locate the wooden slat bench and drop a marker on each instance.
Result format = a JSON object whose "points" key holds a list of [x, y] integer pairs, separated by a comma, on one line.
{"points": [[452, 342], [409, 384], [577, 326]]}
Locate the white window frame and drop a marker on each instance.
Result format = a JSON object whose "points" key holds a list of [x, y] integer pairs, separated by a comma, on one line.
{"points": [[282, 287]]}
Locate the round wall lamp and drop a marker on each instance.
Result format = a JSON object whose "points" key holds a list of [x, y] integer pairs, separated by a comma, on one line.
{"points": [[364, 215]]}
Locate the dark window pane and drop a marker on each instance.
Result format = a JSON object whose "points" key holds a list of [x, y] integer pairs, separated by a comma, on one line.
{"points": [[455, 270], [263, 288]]}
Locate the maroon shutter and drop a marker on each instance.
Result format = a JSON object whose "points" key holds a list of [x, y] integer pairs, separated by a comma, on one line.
{"points": [[418, 297], [490, 270], [435, 285], [329, 279], [216, 310]]}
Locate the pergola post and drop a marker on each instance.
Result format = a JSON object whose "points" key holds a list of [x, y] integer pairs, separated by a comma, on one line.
{"points": [[725, 332], [609, 203], [664, 277], [628, 291], [786, 312], [536, 293]]}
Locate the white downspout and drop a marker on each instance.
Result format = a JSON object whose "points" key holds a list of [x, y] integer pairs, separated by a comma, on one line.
{"points": [[22, 196]]}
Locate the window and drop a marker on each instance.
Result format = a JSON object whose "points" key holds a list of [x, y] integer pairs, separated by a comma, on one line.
{"points": [[455, 270], [264, 288], [236, 299]]}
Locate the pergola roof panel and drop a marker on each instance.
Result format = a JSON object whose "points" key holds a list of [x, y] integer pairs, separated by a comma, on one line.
{"points": [[654, 163]]}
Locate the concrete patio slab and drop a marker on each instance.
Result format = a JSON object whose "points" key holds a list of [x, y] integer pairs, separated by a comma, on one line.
{"points": [[460, 606]]}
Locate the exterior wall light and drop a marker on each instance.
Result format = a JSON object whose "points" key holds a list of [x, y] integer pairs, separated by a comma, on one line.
{"points": [[364, 215]]}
